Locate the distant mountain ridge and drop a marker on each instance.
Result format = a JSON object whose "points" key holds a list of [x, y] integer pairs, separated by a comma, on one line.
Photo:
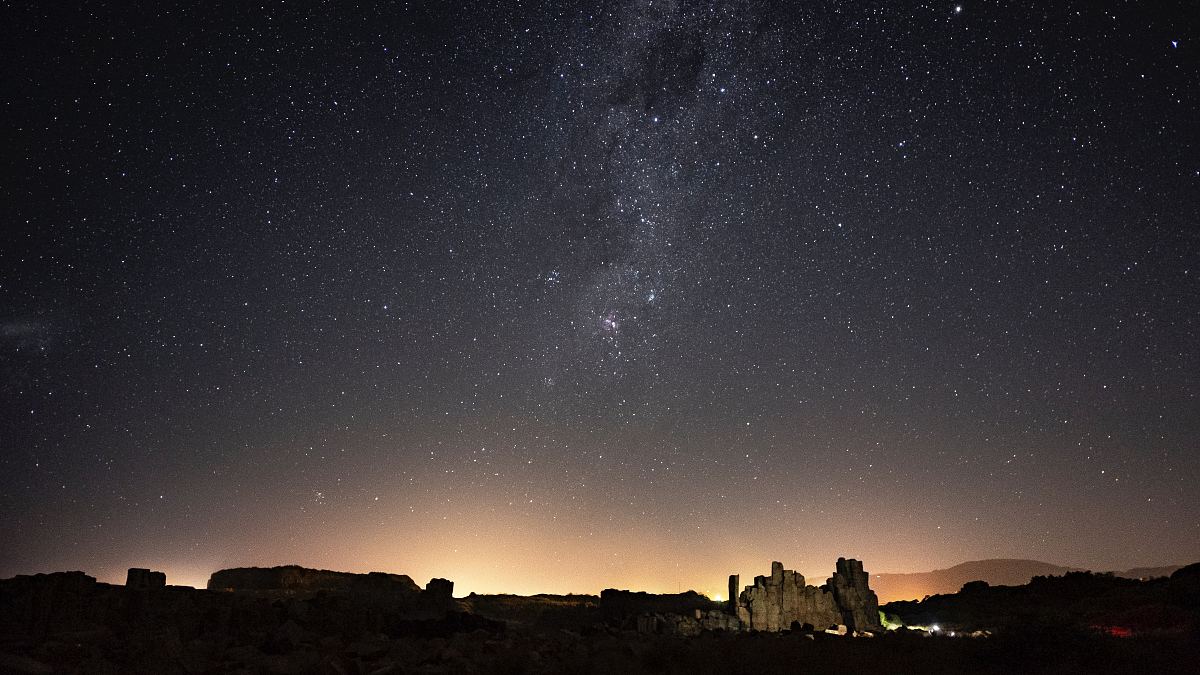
{"points": [[997, 572]]}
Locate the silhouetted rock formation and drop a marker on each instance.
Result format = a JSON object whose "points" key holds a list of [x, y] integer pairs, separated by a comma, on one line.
{"points": [[571, 612], [70, 623], [41, 605], [295, 579], [141, 578], [616, 603], [440, 588]]}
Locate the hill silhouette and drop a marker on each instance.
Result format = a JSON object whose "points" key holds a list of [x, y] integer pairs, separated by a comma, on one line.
{"points": [[996, 571]]}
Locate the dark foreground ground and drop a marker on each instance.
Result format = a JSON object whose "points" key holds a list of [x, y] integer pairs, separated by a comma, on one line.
{"points": [[516, 652], [69, 623]]}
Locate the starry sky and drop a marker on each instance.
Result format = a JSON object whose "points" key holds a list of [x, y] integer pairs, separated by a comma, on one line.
{"points": [[560, 296]]}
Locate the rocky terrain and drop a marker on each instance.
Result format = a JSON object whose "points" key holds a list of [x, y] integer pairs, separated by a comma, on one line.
{"points": [[294, 620], [777, 602]]}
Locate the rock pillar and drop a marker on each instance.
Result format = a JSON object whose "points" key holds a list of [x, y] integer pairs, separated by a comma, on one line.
{"points": [[855, 599]]}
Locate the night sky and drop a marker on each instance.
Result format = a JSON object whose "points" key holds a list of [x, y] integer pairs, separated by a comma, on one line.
{"points": [[568, 295]]}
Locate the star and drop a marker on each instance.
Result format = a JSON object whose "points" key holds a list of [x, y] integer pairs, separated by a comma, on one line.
{"points": [[903, 271]]}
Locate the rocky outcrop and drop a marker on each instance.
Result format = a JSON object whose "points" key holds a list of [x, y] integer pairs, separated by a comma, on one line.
{"points": [[293, 579], [782, 600], [776, 602], [617, 603], [855, 600], [40, 605], [69, 623], [440, 588], [142, 579]]}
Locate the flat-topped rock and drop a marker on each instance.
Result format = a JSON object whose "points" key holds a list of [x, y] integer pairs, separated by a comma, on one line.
{"points": [[141, 578], [614, 602], [296, 579], [440, 588]]}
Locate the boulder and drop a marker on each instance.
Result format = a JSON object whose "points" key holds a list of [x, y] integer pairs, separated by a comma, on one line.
{"points": [[140, 578], [440, 588]]}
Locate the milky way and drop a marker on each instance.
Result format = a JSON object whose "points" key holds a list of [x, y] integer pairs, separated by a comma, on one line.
{"points": [[562, 296]]}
